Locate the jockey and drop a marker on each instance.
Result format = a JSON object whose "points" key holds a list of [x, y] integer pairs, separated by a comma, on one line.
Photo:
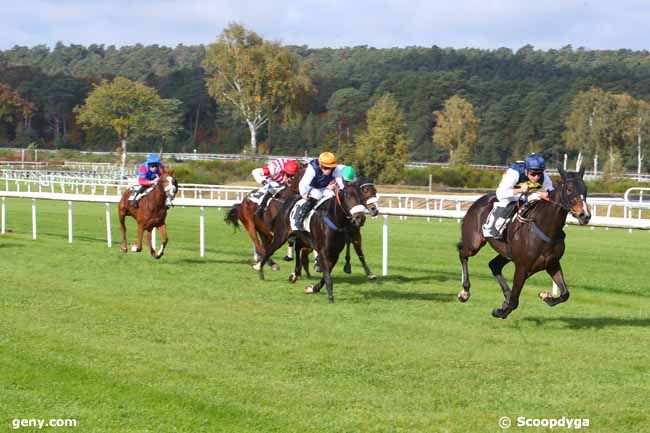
{"points": [[520, 179], [348, 174], [321, 178], [148, 175], [273, 176]]}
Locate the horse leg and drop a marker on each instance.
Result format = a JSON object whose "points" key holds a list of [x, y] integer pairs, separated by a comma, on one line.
{"points": [[163, 234], [297, 267], [138, 240], [555, 271], [496, 266], [347, 268], [362, 258], [123, 245], [289, 255], [149, 244], [467, 249], [304, 259], [511, 304]]}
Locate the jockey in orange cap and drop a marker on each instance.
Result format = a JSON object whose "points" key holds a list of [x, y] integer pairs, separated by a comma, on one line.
{"points": [[321, 178]]}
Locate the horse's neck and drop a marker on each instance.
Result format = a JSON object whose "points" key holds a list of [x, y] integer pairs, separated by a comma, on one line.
{"points": [[335, 211], [550, 217]]}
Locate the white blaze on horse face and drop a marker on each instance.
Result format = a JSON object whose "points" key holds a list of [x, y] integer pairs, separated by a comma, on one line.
{"points": [[585, 206], [170, 189]]}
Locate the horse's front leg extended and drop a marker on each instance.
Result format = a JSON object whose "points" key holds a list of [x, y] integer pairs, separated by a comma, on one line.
{"points": [[297, 267], [511, 304], [555, 271], [362, 259], [163, 235]]}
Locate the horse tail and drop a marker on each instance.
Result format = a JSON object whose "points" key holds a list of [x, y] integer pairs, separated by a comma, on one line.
{"points": [[232, 217]]}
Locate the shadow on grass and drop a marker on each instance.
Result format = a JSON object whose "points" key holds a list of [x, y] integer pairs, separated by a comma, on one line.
{"points": [[409, 296], [589, 322]]}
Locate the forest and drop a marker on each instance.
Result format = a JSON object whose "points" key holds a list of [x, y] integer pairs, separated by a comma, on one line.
{"points": [[523, 99]]}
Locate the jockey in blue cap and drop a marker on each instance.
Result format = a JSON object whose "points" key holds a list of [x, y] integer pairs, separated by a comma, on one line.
{"points": [[148, 175], [524, 180]]}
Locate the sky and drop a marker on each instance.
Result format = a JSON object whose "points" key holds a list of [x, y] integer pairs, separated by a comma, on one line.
{"points": [[485, 24]]}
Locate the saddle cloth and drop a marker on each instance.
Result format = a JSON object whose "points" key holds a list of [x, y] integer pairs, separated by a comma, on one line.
{"points": [[257, 195], [134, 189], [307, 219]]}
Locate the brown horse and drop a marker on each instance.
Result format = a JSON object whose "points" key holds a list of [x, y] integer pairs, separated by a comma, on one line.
{"points": [[328, 227], [534, 240], [259, 229], [150, 213]]}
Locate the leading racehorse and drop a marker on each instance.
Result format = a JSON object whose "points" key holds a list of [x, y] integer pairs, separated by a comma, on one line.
{"points": [[150, 213], [534, 240]]}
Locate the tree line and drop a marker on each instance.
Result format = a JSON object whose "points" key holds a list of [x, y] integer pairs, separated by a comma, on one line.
{"points": [[510, 102]]}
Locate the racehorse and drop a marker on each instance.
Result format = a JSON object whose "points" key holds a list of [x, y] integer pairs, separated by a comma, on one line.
{"points": [[369, 196], [150, 213], [534, 240], [328, 230], [259, 229]]}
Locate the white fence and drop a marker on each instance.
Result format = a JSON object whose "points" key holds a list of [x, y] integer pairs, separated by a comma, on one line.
{"points": [[401, 205]]}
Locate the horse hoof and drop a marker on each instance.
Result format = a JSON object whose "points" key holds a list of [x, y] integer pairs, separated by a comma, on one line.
{"points": [[309, 290], [317, 268], [499, 313], [544, 295], [463, 296], [124, 250], [293, 278], [135, 249], [372, 277], [257, 266], [287, 258], [347, 269], [275, 267], [260, 274]]}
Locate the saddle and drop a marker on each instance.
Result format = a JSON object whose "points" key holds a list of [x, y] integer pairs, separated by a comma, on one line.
{"points": [[257, 195], [134, 192], [311, 213]]}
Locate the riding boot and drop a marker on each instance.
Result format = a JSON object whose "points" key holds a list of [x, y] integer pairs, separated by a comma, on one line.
{"points": [[302, 212], [134, 201], [262, 206], [496, 222]]}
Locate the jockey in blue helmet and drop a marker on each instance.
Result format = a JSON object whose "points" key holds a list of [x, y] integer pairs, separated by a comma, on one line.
{"points": [[524, 180], [148, 175]]}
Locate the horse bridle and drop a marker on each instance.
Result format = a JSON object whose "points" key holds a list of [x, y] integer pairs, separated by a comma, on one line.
{"points": [[371, 200], [348, 213], [565, 198]]}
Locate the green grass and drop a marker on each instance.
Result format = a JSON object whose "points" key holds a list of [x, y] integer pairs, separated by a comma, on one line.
{"points": [[124, 343]]}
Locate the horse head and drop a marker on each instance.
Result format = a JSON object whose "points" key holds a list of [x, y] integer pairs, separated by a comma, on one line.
{"points": [[369, 195], [351, 201], [169, 184], [573, 194]]}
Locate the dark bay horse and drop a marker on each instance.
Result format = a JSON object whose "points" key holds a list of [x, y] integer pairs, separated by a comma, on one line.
{"points": [[534, 240], [329, 227], [369, 197], [150, 213]]}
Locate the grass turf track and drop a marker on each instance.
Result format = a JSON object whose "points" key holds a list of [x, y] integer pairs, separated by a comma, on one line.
{"points": [[124, 343]]}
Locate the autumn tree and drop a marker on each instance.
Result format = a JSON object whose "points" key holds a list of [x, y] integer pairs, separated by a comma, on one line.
{"points": [[257, 79], [129, 109], [382, 150], [14, 109], [456, 130]]}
